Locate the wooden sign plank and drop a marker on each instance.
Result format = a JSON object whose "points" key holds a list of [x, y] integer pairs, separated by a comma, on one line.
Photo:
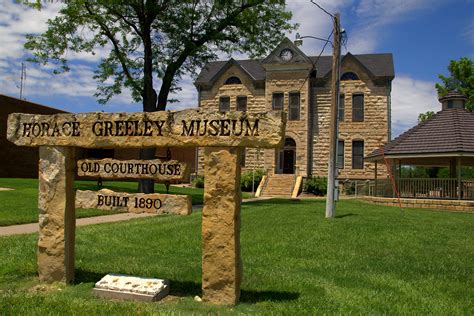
{"points": [[133, 169], [192, 127], [155, 203]]}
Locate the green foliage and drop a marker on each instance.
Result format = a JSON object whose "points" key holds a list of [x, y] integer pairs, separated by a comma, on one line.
{"points": [[198, 182], [425, 116], [246, 179], [163, 39], [382, 262], [461, 78], [316, 185]]}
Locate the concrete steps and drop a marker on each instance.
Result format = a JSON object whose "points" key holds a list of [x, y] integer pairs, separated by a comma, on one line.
{"points": [[279, 185]]}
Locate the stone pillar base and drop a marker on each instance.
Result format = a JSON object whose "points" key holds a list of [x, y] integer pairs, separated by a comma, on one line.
{"points": [[221, 262]]}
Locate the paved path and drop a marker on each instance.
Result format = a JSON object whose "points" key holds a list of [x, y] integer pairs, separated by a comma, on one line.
{"points": [[33, 227]]}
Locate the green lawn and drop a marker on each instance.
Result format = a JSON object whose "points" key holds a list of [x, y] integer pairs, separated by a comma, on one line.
{"points": [[369, 260], [20, 205]]}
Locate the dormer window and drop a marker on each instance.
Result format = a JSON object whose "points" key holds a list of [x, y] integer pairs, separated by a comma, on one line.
{"points": [[233, 80], [349, 76]]}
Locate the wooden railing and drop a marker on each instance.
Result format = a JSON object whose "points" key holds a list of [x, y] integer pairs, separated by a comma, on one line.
{"points": [[428, 188]]}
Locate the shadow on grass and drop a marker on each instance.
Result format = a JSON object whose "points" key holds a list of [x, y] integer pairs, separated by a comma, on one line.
{"points": [[346, 215], [187, 289]]}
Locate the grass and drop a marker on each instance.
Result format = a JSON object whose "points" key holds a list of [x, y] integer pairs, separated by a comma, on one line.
{"points": [[368, 260], [19, 206]]}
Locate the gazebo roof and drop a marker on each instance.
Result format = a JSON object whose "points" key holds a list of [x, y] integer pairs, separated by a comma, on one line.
{"points": [[449, 132]]}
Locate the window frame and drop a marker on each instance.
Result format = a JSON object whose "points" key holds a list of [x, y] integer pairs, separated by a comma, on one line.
{"points": [[241, 97], [342, 107], [358, 117], [340, 154], [221, 99], [355, 164], [294, 107], [274, 100]]}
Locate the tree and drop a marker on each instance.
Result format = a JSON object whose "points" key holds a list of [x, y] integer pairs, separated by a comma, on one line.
{"points": [[157, 38], [461, 78], [425, 116]]}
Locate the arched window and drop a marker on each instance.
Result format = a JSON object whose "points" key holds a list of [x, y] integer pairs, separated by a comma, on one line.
{"points": [[349, 76], [290, 142], [233, 80]]}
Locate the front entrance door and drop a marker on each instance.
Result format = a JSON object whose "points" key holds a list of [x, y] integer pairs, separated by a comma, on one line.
{"points": [[286, 157], [289, 161]]}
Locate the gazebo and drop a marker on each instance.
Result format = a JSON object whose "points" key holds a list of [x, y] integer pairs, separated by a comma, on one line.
{"points": [[444, 140]]}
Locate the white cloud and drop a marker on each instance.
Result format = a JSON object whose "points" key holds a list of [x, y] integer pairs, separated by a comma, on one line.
{"points": [[411, 97]]}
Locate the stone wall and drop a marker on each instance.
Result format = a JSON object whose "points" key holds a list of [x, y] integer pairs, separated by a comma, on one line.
{"points": [[442, 205], [287, 82], [374, 130], [255, 103]]}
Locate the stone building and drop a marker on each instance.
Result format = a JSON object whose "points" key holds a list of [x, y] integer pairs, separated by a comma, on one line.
{"points": [[290, 80]]}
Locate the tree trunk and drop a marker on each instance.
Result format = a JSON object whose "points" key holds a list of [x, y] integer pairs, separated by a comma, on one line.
{"points": [[149, 105]]}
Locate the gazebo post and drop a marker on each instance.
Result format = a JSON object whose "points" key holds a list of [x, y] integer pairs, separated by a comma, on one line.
{"points": [[458, 167], [375, 187]]}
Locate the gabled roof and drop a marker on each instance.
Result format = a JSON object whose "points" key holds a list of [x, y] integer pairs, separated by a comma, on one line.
{"points": [[380, 65], [274, 57], [448, 131], [213, 70]]}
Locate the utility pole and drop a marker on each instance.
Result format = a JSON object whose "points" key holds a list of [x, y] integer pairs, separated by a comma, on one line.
{"points": [[335, 82], [22, 79]]}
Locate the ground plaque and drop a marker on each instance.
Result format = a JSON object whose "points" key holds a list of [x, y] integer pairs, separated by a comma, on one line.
{"points": [[221, 132]]}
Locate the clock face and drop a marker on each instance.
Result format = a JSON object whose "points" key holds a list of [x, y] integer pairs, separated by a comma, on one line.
{"points": [[286, 54]]}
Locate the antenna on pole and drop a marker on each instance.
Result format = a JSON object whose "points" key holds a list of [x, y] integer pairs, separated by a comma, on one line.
{"points": [[22, 80]]}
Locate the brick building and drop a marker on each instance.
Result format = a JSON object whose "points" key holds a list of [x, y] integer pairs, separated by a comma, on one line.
{"points": [[18, 161], [22, 161], [290, 80]]}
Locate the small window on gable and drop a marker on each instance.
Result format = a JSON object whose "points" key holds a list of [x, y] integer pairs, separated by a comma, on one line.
{"points": [[277, 101], [224, 104], [233, 80], [349, 76], [242, 103]]}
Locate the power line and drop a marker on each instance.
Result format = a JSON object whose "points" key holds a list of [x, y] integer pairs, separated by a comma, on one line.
{"points": [[324, 10]]}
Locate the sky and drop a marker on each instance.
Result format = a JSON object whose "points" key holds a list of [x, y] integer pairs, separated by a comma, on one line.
{"points": [[422, 35]]}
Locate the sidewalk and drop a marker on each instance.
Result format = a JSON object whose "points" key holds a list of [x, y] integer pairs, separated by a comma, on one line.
{"points": [[33, 227]]}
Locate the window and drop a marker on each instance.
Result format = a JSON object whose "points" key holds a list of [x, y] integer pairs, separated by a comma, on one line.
{"points": [[349, 76], [242, 103], [340, 154], [242, 157], [294, 106], [358, 154], [357, 108], [224, 104], [233, 80], [450, 104], [340, 115], [277, 101]]}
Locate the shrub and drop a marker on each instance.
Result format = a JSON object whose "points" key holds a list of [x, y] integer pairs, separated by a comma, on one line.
{"points": [[246, 179], [198, 182], [316, 185], [349, 187]]}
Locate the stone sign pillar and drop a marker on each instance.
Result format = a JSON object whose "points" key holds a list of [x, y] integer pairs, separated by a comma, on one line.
{"points": [[221, 262], [57, 221]]}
